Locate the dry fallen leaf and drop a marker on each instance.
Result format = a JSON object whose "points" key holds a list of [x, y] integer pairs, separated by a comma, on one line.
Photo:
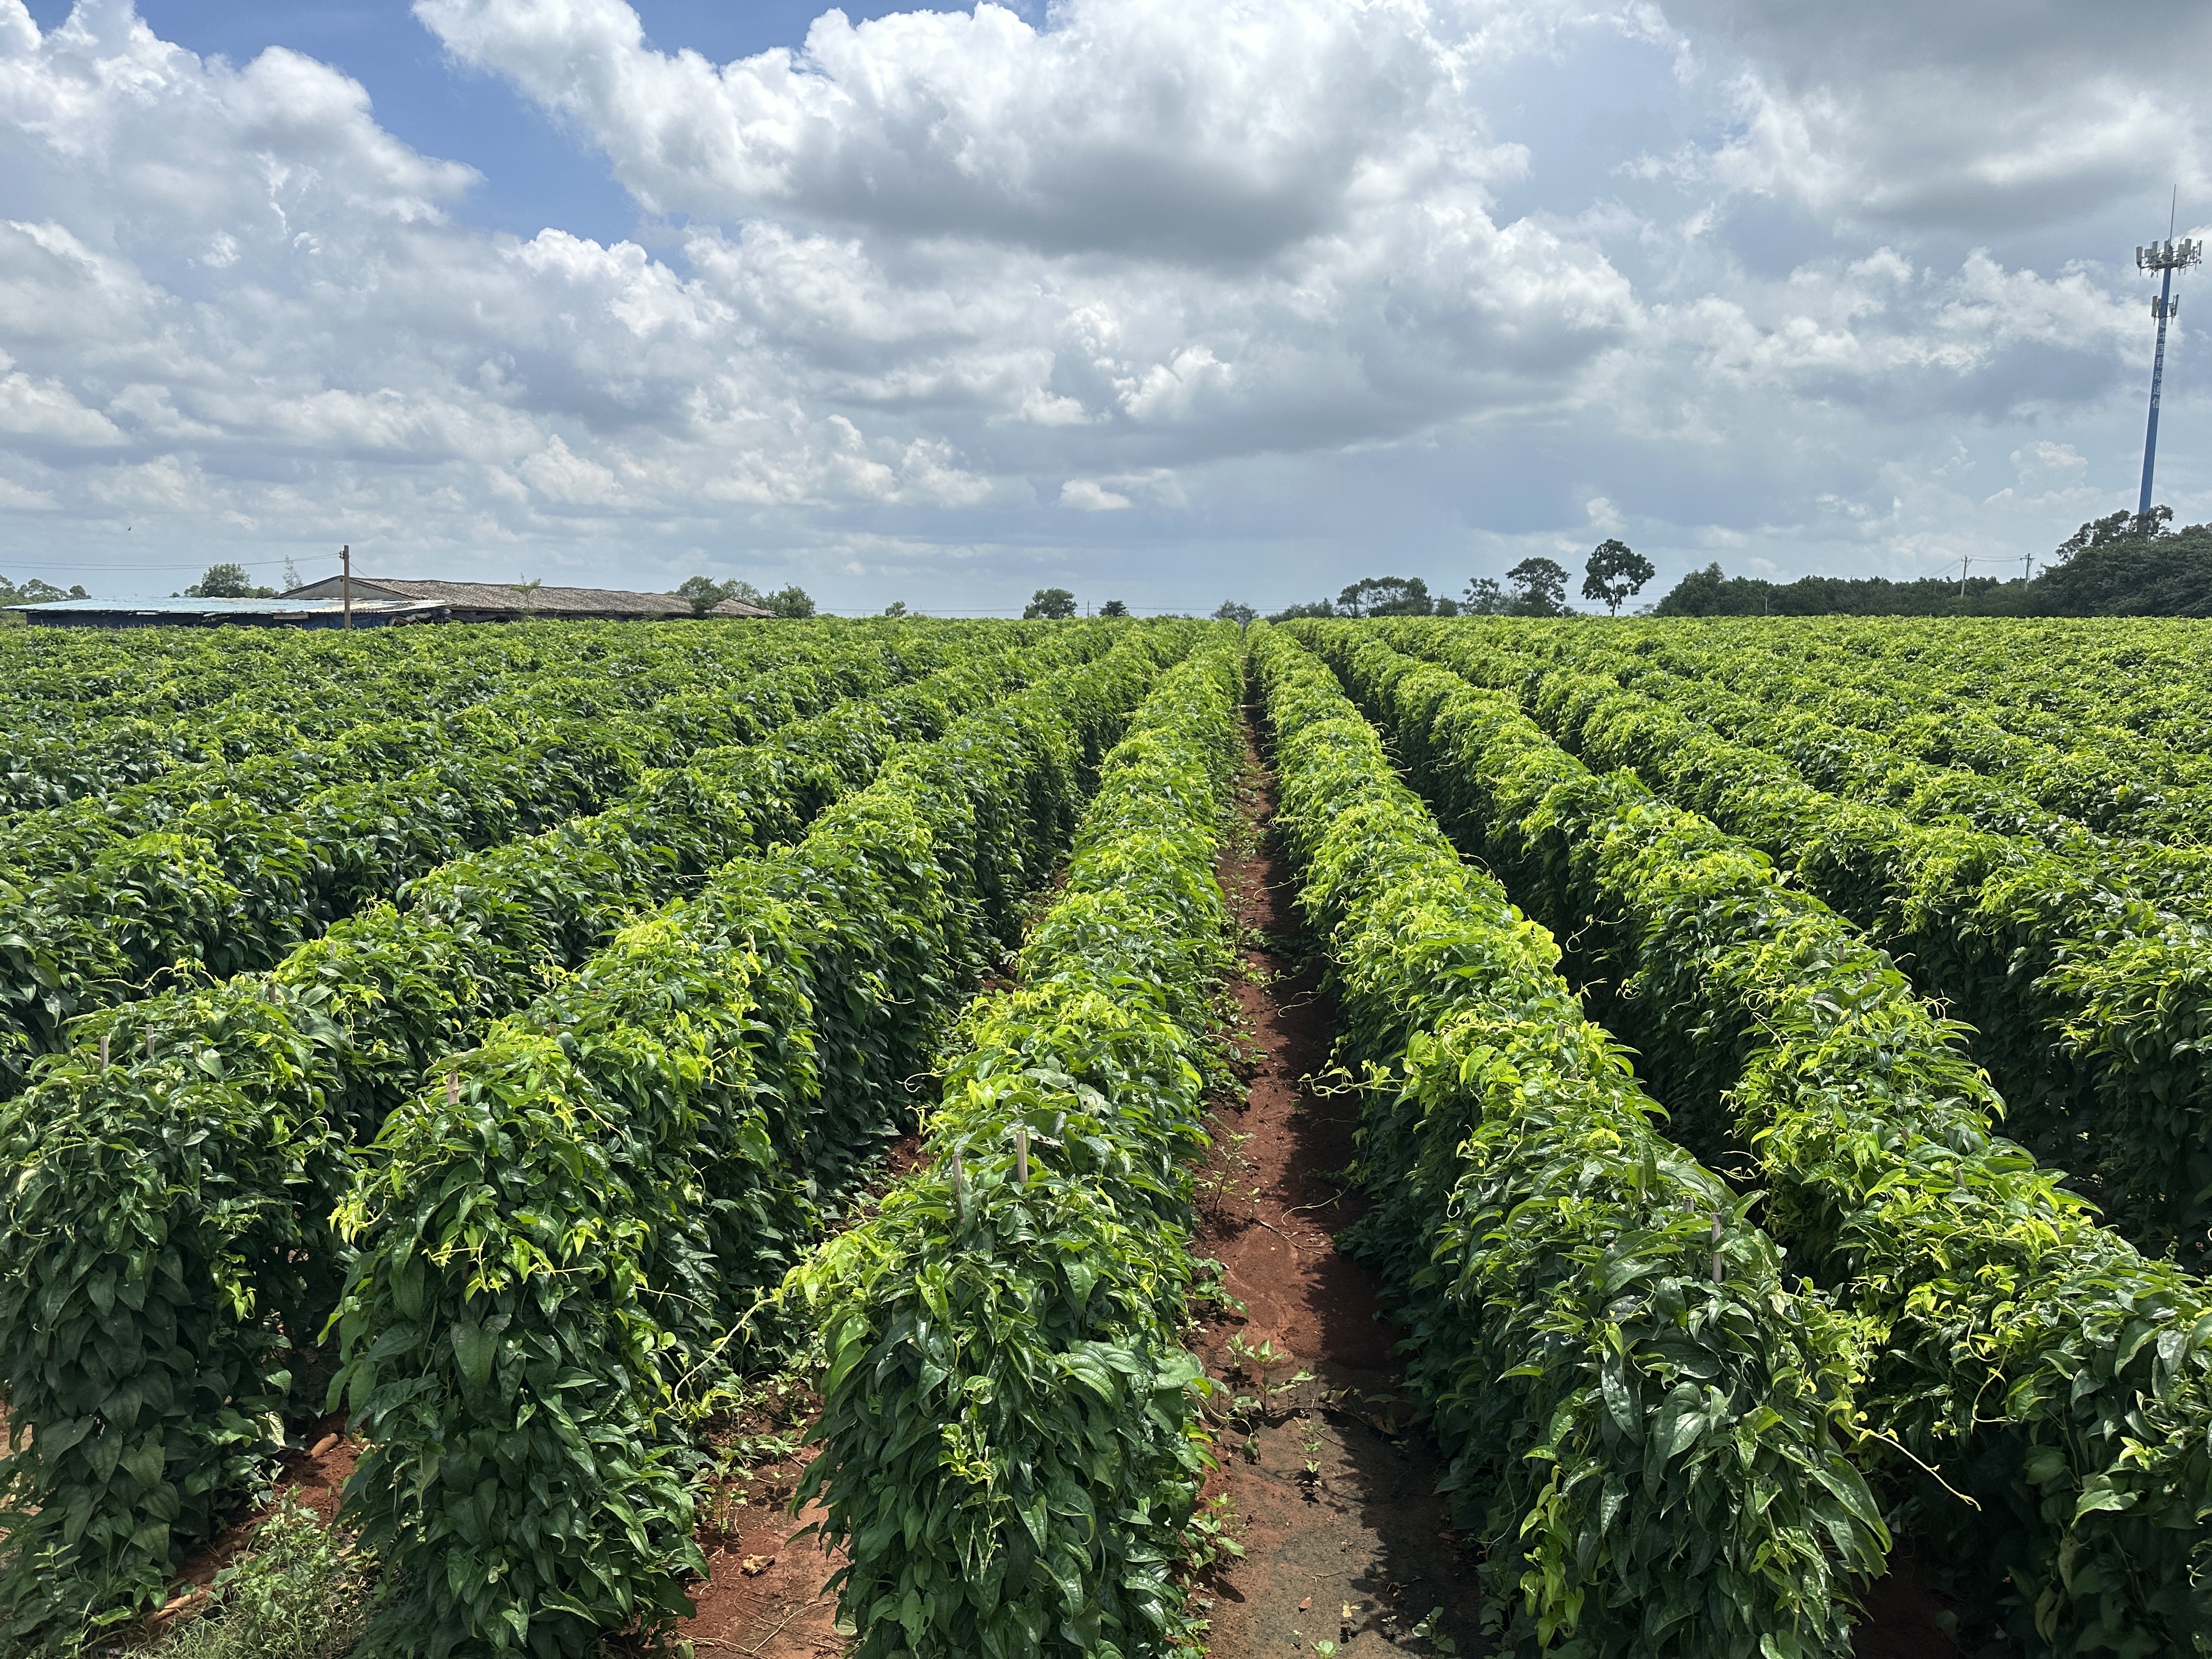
{"points": [[322, 1445], [754, 1565], [1304, 1605]]}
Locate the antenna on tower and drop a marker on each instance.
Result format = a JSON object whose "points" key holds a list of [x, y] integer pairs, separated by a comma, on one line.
{"points": [[2165, 258]]}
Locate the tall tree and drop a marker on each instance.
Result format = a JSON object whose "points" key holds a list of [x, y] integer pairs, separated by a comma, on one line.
{"points": [[1231, 610], [1486, 597], [1539, 588], [1615, 573], [2115, 527], [36, 592], [1113, 608], [790, 601], [227, 581], [1055, 603], [704, 593], [1385, 596]]}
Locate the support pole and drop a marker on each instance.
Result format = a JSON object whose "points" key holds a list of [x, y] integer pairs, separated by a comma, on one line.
{"points": [[2165, 258], [345, 576], [2165, 310]]}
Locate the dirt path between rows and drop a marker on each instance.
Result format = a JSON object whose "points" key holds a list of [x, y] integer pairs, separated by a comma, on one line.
{"points": [[763, 1595], [1345, 1541], [1329, 1481]]}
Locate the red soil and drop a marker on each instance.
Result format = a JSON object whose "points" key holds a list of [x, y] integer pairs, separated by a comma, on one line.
{"points": [[762, 1597], [315, 1477], [1359, 1551]]}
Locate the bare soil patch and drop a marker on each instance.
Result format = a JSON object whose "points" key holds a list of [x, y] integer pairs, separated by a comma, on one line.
{"points": [[763, 1594], [1331, 1479], [1344, 1539], [315, 1477], [1356, 1550], [762, 1597]]}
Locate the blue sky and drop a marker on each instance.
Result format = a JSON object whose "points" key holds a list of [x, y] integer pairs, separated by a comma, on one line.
{"points": [[1158, 304], [535, 174]]}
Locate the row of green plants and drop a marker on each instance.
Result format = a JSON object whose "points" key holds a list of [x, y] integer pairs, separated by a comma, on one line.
{"points": [[1944, 761], [65, 675], [688, 697], [2139, 679], [111, 900], [1914, 731], [2039, 1368], [166, 1258], [253, 697], [1010, 1433], [2088, 1003], [2113, 778], [1867, 765], [173, 668], [2105, 727], [405, 718], [574, 1228], [243, 703], [1643, 1417]]}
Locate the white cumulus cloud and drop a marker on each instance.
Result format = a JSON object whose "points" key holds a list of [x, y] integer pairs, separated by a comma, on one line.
{"points": [[1089, 495], [1289, 276]]}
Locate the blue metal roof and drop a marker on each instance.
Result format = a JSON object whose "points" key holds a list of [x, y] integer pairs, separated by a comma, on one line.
{"points": [[193, 607], [295, 612]]}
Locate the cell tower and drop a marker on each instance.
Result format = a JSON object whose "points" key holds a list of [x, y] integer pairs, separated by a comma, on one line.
{"points": [[2165, 258]]}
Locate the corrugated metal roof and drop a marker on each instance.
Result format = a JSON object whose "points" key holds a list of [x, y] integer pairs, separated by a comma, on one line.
{"points": [[539, 601], [287, 606]]}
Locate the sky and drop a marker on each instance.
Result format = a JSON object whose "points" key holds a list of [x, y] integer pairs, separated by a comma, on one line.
{"points": [[1158, 302]]}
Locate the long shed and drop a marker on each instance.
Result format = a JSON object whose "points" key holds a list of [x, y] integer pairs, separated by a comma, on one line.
{"points": [[496, 602], [289, 611]]}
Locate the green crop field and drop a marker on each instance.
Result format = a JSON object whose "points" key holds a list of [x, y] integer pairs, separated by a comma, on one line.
{"points": [[1783, 1055]]}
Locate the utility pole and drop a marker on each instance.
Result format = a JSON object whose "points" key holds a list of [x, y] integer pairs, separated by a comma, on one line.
{"points": [[345, 579], [2165, 258], [1966, 563]]}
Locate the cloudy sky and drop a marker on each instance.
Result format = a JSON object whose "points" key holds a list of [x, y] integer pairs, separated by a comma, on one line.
{"points": [[1159, 301]]}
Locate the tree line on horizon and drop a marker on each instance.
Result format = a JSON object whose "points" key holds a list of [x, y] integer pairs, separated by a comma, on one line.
{"points": [[2121, 565], [1614, 574]]}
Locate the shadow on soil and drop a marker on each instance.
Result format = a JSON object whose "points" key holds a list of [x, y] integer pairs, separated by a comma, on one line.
{"points": [[1333, 1486]]}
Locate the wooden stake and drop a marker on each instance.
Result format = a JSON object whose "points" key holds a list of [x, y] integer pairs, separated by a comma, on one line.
{"points": [[1022, 1156], [104, 1036], [150, 1045], [452, 1088], [959, 1179], [1716, 1251]]}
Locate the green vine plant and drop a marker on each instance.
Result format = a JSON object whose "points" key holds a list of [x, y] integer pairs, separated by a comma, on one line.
{"points": [[1011, 1437]]}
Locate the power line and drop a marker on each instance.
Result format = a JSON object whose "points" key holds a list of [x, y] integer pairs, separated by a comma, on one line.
{"points": [[185, 564]]}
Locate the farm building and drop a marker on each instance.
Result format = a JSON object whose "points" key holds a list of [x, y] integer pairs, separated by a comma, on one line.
{"points": [[288, 611], [378, 602], [497, 602]]}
